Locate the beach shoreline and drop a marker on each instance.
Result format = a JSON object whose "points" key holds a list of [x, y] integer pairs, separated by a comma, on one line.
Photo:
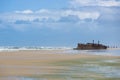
{"points": [[29, 63]]}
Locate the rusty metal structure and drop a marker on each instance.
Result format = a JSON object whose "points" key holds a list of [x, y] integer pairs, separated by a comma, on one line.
{"points": [[90, 46]]}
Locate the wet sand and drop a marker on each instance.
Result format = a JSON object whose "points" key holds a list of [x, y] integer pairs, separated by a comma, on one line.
{"points": [[49, 65]]}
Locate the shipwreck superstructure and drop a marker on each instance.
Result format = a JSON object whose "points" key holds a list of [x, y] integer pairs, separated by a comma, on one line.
{"points": [[90, 46]]}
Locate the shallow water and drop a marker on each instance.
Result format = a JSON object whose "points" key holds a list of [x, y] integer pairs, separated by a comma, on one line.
{"points": [[112, 52]]}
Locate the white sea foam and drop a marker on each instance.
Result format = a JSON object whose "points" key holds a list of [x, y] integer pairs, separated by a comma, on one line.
{"points": [[14, 48]]}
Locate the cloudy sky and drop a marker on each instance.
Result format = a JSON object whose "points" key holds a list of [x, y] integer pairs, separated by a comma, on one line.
{"points": [[59, 22]]}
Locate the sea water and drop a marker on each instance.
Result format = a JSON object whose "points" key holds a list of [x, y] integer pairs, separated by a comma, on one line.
{"points": [[112, 52]]}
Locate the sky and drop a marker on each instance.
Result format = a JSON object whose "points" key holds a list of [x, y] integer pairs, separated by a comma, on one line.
{"points": [[59, 23]]}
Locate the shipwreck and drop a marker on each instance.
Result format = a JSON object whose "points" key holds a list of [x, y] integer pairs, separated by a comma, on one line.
{"points": [[90, 46]]}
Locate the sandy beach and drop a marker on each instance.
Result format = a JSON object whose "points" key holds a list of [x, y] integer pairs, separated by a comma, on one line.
{"points": [[48, 65]]}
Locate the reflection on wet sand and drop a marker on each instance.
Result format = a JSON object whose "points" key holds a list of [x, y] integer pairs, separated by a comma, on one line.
{"points": [[47, 65]]}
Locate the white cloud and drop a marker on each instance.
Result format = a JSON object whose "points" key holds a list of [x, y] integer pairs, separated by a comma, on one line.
{"points": [[109, 3], [105, 3], [54, 19], [82, 14], [47, 15], [42, 11], [25, 12]]}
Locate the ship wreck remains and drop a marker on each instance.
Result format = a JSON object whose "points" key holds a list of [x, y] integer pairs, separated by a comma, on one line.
{"points": [[90, 46]]}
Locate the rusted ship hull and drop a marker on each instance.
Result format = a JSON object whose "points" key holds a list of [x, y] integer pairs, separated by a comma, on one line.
{"points": [[90, 46], [87, 48]]}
